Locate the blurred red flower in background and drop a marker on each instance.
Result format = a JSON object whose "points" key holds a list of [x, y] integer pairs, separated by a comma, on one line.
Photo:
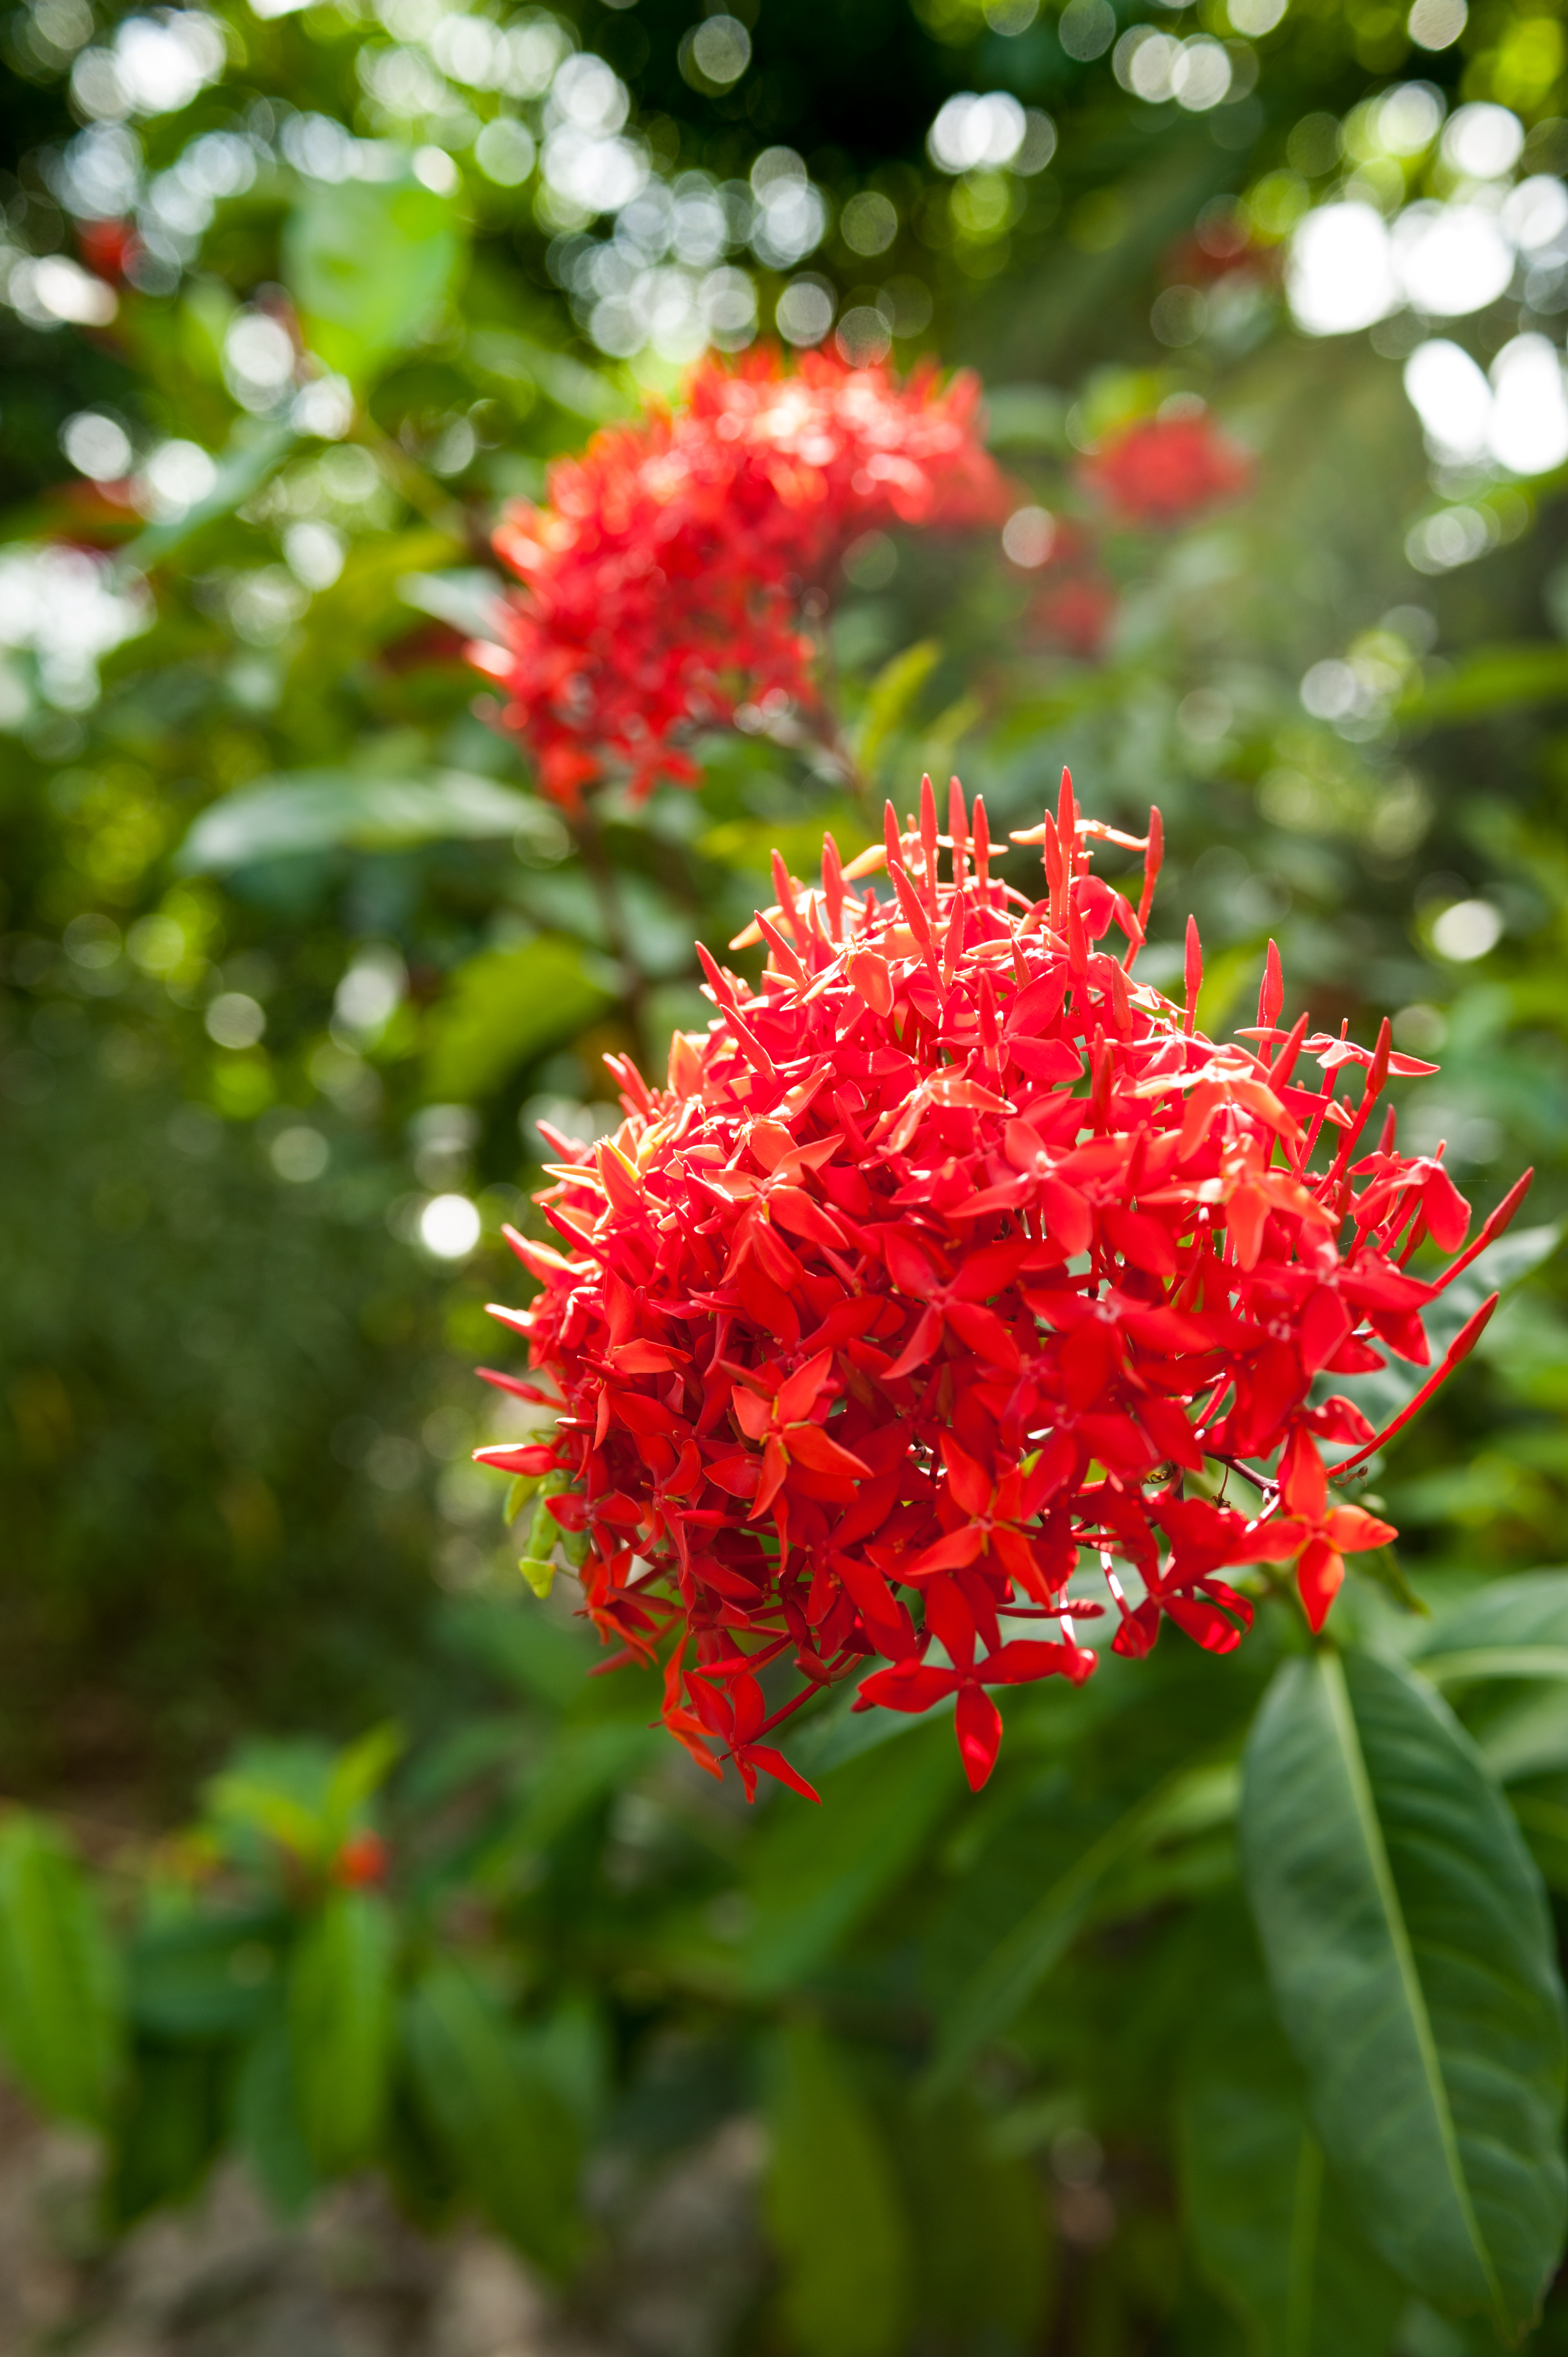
{"points": [[108, 247], [668, 579], [952, 1253], [1163, 470], [1074, 613]]}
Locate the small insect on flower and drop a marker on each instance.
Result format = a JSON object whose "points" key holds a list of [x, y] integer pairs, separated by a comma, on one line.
{"points": [[669, 581], [950, 1259]]}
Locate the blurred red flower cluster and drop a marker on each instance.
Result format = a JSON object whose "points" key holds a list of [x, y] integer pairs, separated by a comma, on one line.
{"points": [[1151, 476], [950, 1259], [667, 580], [1166, 470]]}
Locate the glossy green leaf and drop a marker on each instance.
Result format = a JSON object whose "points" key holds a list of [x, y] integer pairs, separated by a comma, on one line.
{"points": [[1271, 2228], [1411, 1954], [61, 2025], [340, 2025], [330, 810], [832, 2207], [505, 2132], [814, 1874], [508, 1005], [370, 265]]}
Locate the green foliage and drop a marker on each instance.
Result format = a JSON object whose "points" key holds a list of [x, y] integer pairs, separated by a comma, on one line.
{"points": [[506, 1005], [502, 2125], [289, 943], [814, 1877], [1270, 2223], [369, 266], [833, 2206], [329, 809], [60, 2016], [1409, 1951], [340, 2022]]}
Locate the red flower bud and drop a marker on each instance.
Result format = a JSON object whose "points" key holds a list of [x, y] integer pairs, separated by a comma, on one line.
{"points": [[361, 1863]]}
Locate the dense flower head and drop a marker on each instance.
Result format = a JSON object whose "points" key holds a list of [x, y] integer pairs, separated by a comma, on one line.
{"points": [[668, 578], [1163, 470], [928, 1312]]}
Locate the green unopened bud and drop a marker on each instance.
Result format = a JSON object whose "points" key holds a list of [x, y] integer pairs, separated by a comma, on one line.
{"points": [[540, 1574], [517, 1496]]}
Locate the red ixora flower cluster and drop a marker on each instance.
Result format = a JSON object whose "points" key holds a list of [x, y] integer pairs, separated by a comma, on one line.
{"points": [[669, 577], [1150, 476], [951, 1261], [1166, 470]]}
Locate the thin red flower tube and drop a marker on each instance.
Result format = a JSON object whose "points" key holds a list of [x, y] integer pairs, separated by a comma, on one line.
{"points": [[669, 577], [951, 1260]]}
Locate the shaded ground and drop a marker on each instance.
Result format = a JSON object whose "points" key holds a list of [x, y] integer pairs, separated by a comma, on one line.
{"points": [[223, 2279]]}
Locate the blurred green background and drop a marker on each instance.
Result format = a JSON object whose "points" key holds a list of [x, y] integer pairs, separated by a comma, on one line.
{"points": [[292, 958]]}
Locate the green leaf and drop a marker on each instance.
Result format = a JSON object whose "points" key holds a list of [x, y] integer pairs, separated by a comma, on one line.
{"points": [[169, 2129], [1513, 1633], [535, 1656], [1270, 2227], [1489, 680], [1524, 1618], [254, 1805], [506, 2134], [201, 1975], [266, 2124], [506, 1007], [254, 450], [812, 1874], [832, 2208], [1225, 978], [1192, 1801], [589, 394], [1410, 1953], [358, 1773], [340, 2025], [582, 1768], [891, 698], [1026, 418], [982, 2241], [61, 2025], [370, 265], [331, 809]]}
